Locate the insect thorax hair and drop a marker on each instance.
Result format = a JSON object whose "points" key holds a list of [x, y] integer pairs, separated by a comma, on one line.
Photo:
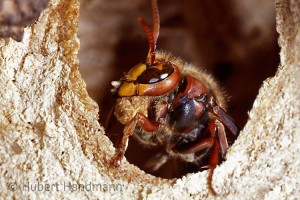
{"points": [[198, 73]]}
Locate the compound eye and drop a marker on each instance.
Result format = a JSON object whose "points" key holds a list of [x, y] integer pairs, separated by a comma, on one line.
{"points": [[156, 73]]}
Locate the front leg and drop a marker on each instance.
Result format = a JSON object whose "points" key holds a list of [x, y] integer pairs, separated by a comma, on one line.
{"points": [[145, 123]]}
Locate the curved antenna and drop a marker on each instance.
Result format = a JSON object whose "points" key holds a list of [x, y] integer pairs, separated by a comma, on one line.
{"points": [[155, 19], [152, 36]]}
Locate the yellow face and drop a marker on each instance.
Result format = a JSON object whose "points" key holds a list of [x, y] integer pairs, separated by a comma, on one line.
{"points": [[128, 87], [143, 80]]}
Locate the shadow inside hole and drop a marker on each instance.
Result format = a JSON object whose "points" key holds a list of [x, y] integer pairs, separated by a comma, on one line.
{"points": [[223, 70], [141, 155]]}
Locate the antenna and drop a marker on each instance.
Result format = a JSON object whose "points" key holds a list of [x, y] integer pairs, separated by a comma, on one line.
{"points": [[152, 35], [155, 19]]}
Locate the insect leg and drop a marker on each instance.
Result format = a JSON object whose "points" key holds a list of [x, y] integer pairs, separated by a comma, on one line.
{"points": [[157, 162], [203, 144], [216, 128], [145, 123], [214, 159], [222, 137], [123, 143]]}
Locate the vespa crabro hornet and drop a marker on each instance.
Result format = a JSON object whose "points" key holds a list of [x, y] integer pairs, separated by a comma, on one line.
{"points": [[165, 100]]}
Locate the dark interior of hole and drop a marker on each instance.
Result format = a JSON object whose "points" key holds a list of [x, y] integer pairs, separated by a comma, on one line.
{"points": [[239, 55]]}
